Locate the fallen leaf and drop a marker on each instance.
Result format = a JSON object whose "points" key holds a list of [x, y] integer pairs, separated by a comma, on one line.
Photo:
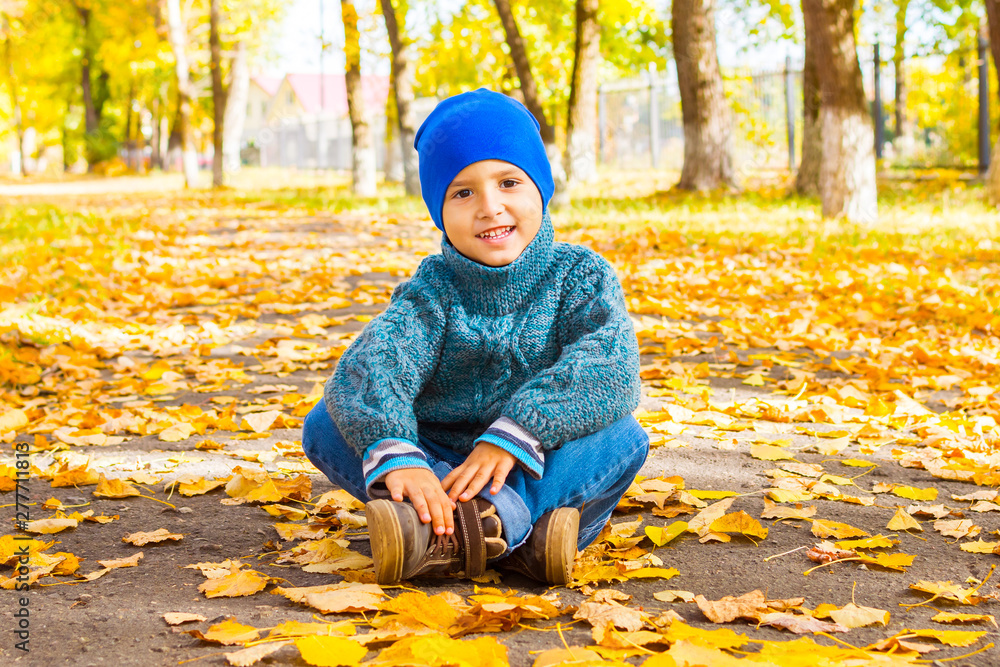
{"points": [[800, 624], [227, 633], [251, 656], [958, 528], [980, 547], [739, 522], [673, 596], [159, 535], [913, 493], [178, 617], [770, 453], [902, 520], [853, 616], [114, 488], [235, 584], [49, 526], [598, 614], [823, 528], [330, 651], [661, 536], [952, 617]]}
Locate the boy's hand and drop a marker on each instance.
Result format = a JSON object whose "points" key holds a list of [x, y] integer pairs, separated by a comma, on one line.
{"points": [[426, 494], [484, 462]]}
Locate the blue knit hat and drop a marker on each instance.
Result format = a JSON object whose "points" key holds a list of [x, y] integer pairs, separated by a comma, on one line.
{"points": [[474, 126]]}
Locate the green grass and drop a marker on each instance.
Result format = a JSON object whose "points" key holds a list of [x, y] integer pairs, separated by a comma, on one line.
{"points": [[40, 231]]}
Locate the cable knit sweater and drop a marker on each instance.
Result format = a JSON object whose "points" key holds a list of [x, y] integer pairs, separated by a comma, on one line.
{"points": [[526, 356]]}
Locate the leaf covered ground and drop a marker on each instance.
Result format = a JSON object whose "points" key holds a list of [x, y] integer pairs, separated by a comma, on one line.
{"points": [[822, 399]]}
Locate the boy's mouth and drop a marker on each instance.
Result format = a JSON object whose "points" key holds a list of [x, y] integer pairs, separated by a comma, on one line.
{"points": [[497, 233]]}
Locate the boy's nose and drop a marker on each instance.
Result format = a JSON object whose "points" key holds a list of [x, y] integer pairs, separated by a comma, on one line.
{"points": [[490, 205]]}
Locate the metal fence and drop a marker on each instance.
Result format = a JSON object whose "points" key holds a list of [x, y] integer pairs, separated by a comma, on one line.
{"points": [[758, 101], [766, 113], [322, 142]]}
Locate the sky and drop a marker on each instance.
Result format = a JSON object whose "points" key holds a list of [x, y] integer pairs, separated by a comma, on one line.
{"points": [[297, 40], [297, 44]]}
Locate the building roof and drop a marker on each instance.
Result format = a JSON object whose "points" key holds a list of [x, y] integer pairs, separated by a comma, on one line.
{"points": [[374, 89], [269, 84]]}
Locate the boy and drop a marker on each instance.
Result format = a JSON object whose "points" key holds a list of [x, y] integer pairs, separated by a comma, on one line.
{"points": [[486, 414]]}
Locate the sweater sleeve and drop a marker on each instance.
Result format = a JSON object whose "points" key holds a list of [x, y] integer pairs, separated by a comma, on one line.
{"points": [[595, 380], [371, 393]]}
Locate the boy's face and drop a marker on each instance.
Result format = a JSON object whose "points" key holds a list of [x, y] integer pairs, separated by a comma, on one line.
{"points": [[492, 211]]}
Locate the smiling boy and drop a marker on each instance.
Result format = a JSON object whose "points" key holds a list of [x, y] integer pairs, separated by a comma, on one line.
{"points": [[486, 414]]}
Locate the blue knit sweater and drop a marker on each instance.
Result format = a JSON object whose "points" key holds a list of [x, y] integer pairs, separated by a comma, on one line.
{"points": [[526, 356]]}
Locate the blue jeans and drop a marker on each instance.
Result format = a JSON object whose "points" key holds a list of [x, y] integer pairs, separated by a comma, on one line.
{"points": [[591, 473]]}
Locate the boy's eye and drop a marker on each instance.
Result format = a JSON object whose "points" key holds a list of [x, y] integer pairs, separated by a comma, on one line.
{"points": [[507, 182]]}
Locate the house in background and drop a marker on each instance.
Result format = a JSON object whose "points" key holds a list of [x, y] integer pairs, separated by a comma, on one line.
{"points": [[262, 89], [298, 129]]}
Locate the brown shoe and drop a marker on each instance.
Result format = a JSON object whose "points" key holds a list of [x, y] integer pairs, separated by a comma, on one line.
{"points": [[403, 547], [550, 551]]}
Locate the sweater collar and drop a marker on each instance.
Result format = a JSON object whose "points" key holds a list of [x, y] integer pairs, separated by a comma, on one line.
{"points": [[502, 289]]}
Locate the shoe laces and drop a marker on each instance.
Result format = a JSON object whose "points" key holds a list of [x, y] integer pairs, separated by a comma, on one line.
{"points": [[444, 546]]}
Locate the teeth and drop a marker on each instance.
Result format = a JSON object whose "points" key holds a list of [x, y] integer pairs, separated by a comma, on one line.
{"points": [[495, 233]]}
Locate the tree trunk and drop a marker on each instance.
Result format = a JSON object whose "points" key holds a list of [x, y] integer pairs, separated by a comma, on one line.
{"points": [[708, 158], [362, 148], [522, 66], [185, 91], [15, 98], [392, 166], [581, 122], [402, 87], [236, 109], [807, 177], [903, 139], [91, 120], [529, 90], [218, 95], [847, 171], [993, 174]]}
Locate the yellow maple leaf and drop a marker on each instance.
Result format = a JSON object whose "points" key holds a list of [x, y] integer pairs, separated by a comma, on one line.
{"points": [[770, 453], [433, 611], [652, 573], [178, 617], [980, 547], [952, 617], [877, 542], [441, 650], [948, 591], [823, 528], [177, 432], [754, 380], [251, 655], [858, 463], [228, 632], [159, 535], [712, 495], [51, 525], [949, 637], [326, 651], [902, 520], [13, 419], [853, 616], [300, 629], [913, 493], [114, 488], [235, 584], [739, 522], [661, 536]]}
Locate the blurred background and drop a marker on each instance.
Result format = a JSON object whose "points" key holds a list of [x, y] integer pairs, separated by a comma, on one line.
{"points": [[718, 90]]}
